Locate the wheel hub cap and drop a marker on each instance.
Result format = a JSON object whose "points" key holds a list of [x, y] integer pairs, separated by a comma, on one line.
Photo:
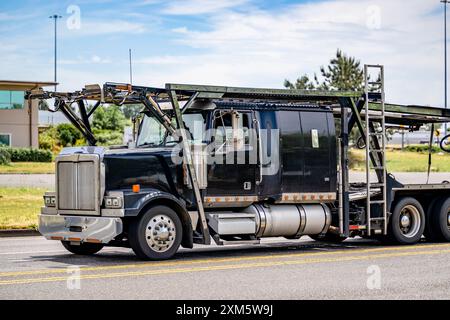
{"points": [[448, 219], [410, 221], [405, 221], [160, 233]]}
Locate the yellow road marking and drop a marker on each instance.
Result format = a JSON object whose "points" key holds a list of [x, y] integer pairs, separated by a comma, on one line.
{"points": [[228, 267], [215, 260]]}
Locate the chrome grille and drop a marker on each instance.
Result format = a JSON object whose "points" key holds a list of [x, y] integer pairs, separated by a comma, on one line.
{"points": [[77, 184]]}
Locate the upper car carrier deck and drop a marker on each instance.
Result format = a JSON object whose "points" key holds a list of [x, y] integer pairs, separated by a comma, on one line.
{"points": [[115, 93], [354, 107]]}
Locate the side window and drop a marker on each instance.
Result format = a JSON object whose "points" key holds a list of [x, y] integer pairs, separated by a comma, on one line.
{"points": [[231, 130]]}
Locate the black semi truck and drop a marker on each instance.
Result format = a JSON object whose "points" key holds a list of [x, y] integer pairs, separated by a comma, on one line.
{"points": [[236, 165]]}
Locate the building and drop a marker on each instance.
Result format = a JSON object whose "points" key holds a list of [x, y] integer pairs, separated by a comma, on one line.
{"points": [[18, 121]]}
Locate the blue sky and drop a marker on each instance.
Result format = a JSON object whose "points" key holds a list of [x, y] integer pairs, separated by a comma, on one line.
{"points": [[227, 42]]}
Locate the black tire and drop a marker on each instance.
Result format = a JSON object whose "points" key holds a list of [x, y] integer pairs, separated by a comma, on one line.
{"points": [[144, 236], [328, 237], [428, 232], [407, 209], [84, 249], [439, 224]]}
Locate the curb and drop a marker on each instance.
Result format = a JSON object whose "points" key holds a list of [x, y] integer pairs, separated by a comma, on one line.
{"points": [[27, 173], [19, 233]]}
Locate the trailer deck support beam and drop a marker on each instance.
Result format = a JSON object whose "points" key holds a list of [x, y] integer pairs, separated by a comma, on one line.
{"points": [[83, 114], [77, 122], [344, 165], [187, 156]]}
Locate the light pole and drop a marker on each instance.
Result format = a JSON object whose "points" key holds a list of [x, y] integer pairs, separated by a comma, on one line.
{"points": [[55, 18], [131, 67], [445, 58]]}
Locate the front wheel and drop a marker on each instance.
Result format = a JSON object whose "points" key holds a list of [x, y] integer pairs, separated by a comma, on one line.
{"points": [[82, 248], [407, 222], [157, 234]]}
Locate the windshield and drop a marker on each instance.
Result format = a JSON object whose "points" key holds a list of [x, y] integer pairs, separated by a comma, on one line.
{"points": [[152, 133]]}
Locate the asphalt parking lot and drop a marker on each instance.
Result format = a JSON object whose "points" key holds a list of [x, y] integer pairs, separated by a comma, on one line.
{"points": [[34, 268]]}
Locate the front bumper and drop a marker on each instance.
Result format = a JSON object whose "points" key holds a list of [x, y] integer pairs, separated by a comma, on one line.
{"points": [[79, 229]]}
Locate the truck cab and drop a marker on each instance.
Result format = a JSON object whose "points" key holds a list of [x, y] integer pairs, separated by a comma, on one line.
{"points": [[255, 163]]}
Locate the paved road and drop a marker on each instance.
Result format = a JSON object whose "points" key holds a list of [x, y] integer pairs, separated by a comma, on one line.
{"points": [[34, 268], [28, 180], [48, 180]]}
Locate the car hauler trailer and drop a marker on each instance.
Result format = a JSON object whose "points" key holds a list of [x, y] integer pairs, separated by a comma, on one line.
{"points": [[236, 165]]}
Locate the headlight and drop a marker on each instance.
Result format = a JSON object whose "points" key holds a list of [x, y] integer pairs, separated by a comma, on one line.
{"points": [[49, 200], [113, 202]]}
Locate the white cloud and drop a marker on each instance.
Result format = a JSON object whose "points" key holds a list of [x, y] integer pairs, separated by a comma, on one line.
{"points": [[94, 59], [195, 7], [257, 47], [261, 48], [180, 30], [163, 60], [4, 16], [104, 27]]}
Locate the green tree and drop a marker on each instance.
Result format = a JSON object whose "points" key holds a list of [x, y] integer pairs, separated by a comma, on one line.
{"points": [[109, 118], [302, 83], [67, 134], [99, 118], [131, 110], [342, 73]]}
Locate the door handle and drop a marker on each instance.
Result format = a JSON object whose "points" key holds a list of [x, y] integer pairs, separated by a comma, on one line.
{"points": [[258, 182]]}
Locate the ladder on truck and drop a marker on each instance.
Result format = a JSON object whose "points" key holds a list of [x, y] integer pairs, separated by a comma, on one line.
{"points": [[375, 146]]}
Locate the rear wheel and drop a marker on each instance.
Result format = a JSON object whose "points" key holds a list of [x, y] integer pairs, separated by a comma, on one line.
{"points": [[82, 248], [440, 220], [407, 222], [428, 232], [157, 234]]}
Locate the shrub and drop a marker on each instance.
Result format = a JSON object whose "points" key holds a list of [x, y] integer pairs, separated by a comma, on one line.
{"points": [[423, 148], [5, 156], [108, 124], [46, 142], [28, 155], [67, 134], [108, 118], [81, 142], [108, 138], [48, 139]]}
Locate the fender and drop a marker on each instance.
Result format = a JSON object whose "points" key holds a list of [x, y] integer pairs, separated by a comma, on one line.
{"points": [[135, 203]]}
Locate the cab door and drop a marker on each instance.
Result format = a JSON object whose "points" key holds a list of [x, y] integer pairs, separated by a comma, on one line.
{"points": [[233, 158]]}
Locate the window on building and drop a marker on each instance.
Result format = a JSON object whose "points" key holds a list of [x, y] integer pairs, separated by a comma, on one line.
{"points": [[5, 139], [11, 99]]}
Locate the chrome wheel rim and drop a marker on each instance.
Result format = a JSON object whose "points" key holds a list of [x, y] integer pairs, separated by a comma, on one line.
{"points": [[448, 220], [409, 221], [160, 233]]}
